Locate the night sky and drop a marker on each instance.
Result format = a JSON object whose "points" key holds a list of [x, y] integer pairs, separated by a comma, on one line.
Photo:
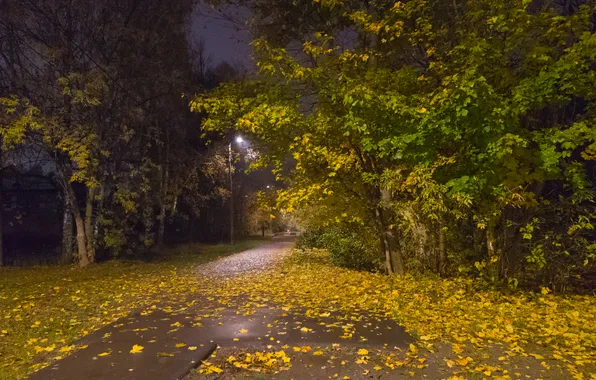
{"points": [[224, 40]]}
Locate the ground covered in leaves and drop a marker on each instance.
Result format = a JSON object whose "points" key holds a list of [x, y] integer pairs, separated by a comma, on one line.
{"points": [[44, 310], [461, 329], [304, 318]]}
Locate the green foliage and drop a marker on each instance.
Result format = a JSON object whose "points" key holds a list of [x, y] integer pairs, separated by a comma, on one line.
{"points": [[476, 113], [311, 238], [349, 246]]}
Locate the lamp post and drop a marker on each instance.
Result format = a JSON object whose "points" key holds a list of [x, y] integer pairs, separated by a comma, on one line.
{"points": [[239, 140]]}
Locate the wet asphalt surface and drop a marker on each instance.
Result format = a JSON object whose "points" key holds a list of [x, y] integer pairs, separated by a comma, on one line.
{"points": [[259, 258], [206, 322]]}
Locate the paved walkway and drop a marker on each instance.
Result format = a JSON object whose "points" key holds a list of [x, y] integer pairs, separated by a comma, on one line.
{"points": [[251, 260], [176, 340]]}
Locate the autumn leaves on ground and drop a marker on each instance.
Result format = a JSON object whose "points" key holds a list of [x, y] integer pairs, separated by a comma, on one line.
{"points": [[459, 329]]}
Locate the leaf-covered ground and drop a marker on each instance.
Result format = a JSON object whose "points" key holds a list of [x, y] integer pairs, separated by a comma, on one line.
{"points": [[44, 310], [461, 330]]}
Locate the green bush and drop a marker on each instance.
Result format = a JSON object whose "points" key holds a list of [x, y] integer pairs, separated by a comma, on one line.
{"points": [[348, 246], [311, 238]]}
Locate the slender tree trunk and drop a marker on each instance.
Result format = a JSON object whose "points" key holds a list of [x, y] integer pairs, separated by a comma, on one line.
{"points": [[442, 250], [89, 225], [164, 179], [490, 242], [98, 213], [67, 235], [231, 192], [162, 227], [1, 209]]}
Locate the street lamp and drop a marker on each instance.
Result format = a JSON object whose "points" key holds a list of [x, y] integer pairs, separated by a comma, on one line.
{"points": [[239, 140]]}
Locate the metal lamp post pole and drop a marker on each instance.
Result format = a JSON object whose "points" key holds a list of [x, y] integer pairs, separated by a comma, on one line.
{"points": [[231, 193]]}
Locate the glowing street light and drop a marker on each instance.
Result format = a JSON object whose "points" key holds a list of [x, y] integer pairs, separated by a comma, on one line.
{"points": [[239, 140]]}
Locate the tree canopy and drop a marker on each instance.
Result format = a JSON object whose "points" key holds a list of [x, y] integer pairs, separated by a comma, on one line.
{"points": [[459, 131]]}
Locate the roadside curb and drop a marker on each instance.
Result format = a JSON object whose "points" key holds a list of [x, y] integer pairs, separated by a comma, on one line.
{"points": [[202, 355]]}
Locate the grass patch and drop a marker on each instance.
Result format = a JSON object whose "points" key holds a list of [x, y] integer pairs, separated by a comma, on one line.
{"points": [[44, 310]]}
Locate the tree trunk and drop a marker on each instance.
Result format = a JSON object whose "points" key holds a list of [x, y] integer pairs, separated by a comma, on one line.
{"points": [[89, 225], [67, 235], [82, 255], [1, 212], [490, 242], [81, 242], [391, 244], [383, 241], [162, 227], [163, 191], [442, 251], [396, 256], [1, 209]]}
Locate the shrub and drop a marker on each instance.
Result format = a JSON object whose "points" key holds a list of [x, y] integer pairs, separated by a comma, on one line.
{"points": [[350, 246]]}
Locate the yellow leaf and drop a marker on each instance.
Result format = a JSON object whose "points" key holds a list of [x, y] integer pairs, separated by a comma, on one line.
{"points": [[362, 351], [464, 362], [66, 349], [192, 348], [306, 348], [243, 331], [180, 345], [422, 110], [136, 349], [318, 353], [377, 368], [103, 354]]}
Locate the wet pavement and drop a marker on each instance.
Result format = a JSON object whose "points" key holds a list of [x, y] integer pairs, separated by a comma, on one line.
{"points": [[175, 339], [259, 258], [169, 348]]}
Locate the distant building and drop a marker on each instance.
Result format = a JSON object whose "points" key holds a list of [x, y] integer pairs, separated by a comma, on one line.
{"points": [[31, 217]]}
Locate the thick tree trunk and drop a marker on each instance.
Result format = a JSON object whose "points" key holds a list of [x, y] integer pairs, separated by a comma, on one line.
{"points": [[89, 225], [82, 255], [394, 263], [81, 241], [67, 234], [397, 261], [383, 242], [396, 256]]}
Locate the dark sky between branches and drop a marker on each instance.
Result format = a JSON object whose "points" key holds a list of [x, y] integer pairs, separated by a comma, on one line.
{"points": [[225, 41]]}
